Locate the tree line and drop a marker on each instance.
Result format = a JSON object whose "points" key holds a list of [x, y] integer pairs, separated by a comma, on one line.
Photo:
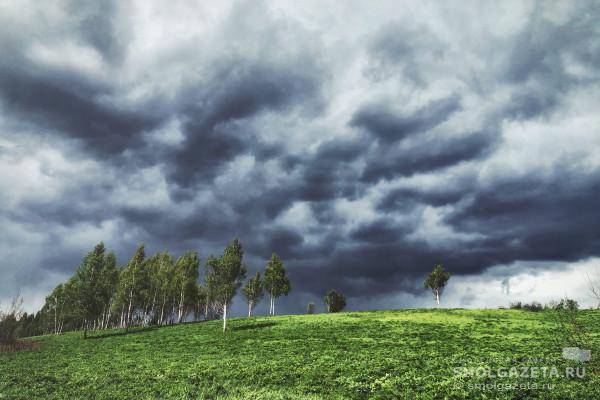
{"points": [[155, 290], [162, 290]]}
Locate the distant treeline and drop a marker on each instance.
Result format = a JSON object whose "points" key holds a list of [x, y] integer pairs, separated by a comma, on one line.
{"points": [[155, 290]]}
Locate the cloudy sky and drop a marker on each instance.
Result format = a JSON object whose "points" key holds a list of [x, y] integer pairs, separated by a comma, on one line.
{"points": [[362, 141]]}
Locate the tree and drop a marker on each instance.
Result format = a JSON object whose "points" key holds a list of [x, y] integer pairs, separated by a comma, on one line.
{"points": [[436, 281], [10, 325], [109, 278], [186, 276], [334, 301], [88, 278], [129, 286], [201, 302], [253, 292], [166, 291], [225, 275], [594, 285], [276, 282]]}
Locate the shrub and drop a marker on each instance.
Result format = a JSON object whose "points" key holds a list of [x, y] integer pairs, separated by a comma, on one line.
{"points": [[311, 308]]}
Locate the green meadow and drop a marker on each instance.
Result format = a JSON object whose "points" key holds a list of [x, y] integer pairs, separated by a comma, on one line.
{"points": [[408, 354]]}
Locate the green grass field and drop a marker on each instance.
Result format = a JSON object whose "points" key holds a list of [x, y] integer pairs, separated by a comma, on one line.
{"points": [[410, 354]]}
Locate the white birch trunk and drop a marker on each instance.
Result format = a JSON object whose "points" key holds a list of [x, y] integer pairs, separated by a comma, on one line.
{"points": [[224, 317]]}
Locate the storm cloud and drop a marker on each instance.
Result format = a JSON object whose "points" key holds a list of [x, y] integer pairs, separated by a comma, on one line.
{"points": [[362, 143]]}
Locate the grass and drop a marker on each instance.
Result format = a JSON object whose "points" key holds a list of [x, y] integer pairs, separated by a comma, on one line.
{"points": [[410, 354]]}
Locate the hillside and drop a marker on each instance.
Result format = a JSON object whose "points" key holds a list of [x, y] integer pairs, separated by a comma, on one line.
{"points": [[383, 354]]}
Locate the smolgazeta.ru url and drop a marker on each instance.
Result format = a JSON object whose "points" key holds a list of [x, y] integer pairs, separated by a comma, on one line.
{"points": [[498, 386], [520, 372]]}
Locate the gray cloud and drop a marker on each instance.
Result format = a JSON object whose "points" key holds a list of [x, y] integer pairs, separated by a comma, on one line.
{"points": [[362, 156], [389, 127]]}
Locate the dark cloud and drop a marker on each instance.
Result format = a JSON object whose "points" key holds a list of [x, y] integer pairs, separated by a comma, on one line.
{"points": [[379, 231], [387, 126], [427, 155], [406, 198], [536, 218], [73, 107], [217, 128]]}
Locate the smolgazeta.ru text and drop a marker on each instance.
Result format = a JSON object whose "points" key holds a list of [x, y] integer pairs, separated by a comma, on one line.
{"points": [[520, 372]]}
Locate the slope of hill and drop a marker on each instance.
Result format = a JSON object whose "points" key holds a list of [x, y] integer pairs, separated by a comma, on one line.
{"points": [[413, 354]]}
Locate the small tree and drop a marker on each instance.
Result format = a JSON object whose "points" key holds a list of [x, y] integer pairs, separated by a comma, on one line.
{"points": [[594, 285], [335, 301], [9, 321], [253, 292], [276, 281], [436, 281], [225, 275], [311, 308], [566, 304]]}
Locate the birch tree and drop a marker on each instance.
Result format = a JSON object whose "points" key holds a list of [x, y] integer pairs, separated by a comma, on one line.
{"points": [[334, 301], [225, 275], [186, 272], [253, 292], [436, 281], [89, 287], [276, 281]]}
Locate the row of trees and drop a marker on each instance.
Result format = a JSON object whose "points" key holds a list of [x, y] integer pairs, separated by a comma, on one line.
{"points": [[156, 290]]}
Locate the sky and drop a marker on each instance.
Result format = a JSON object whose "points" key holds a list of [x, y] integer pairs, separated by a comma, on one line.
{"points": [[364, 142]]}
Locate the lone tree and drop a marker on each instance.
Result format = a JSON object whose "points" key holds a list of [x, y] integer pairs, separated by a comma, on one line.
{"points": [[335, 301], [225, 275], [594, 285], [436, 281], [276, 281], [253, 292]]}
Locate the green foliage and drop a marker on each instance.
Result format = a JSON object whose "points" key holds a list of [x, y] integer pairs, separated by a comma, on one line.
{"points": [[157, 290], [225, 274], [335, 301], [91, 287], [408, 354]]}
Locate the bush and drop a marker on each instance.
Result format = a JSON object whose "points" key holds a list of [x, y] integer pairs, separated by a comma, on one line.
{"points": [[311, 308]]}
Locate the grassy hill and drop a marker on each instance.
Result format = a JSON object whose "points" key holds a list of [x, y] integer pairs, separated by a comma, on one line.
{"points": [[409, 354]]}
